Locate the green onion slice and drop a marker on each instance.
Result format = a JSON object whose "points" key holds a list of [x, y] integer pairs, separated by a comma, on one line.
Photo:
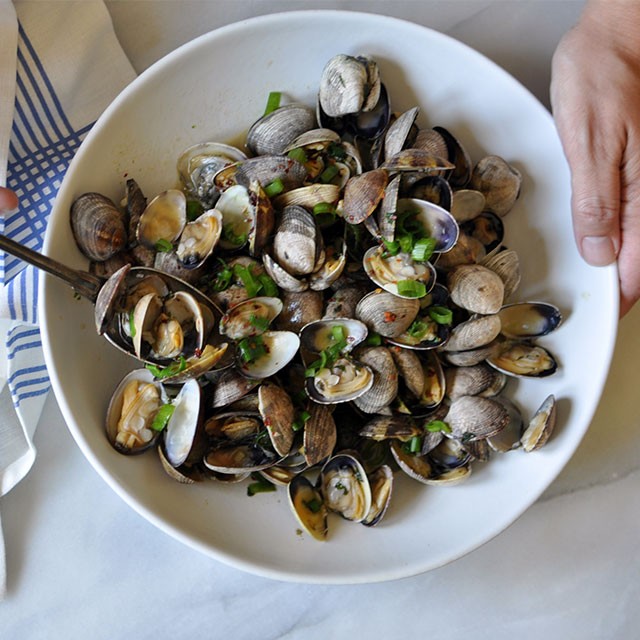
{"points": [[441, 314], [323, 208], [261, 485], [258, 322], [163, 246], [274, 188], [374, 339], [423, 249], [250, 283], [132, 325], [298, 154], [194, 210], [437, 425], [314, 505], [273, 102], [269, 287], [252, 348], [329, 174], [231, 236], [162, 417], [172, 370], [411, 288]]}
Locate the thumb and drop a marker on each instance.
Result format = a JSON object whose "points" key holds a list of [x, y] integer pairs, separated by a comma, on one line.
{"points": [[595, 207], [8, 200]]}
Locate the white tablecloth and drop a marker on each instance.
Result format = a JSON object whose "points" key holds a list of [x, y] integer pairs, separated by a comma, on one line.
{"points": [[83, 565]]}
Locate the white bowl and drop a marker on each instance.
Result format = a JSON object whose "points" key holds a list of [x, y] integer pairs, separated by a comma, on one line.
{"points": [[212, 89]]}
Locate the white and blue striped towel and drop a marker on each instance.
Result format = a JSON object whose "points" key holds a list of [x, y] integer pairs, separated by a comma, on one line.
{"points": [[60, 66]]}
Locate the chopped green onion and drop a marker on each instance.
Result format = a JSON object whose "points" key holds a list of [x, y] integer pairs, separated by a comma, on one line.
{"points": [[339, 485], [411, 288], [406, 243], [269, 287], [314, 505], [162, 417], [132, 325], [194, 210], [274, 188], [329, 174], [338, 332], [415, 444], [248, 280], [315, 366], [417, 328], [231, 236], [258, 322], [261, 485], [300, 421], [392, 247], [252, 348], [437, 425], [298, 154], [337, 151], [273, 102], [423, 249], [223, 277], [440, 314], [171, 370], [374, 339], [323, 208], [163, 246]]}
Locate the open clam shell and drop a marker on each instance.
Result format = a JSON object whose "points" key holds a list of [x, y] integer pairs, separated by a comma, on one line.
{"points": [[437, 222], [381, 483], [523, 359], [199, 238], [250, 318], [308, 507], [280, 349], [181, 433], [529, 319], [164, 219], [345, 487]]}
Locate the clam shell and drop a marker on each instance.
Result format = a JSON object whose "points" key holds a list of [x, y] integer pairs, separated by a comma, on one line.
{"points": [[181, 433], [398, 132], [431, 141], [507, 265], [471, 381], [386, 427], [387, 314], [385, 380], [362, 194], [476, 288], [199, 238], [98, 226], [473, 333], [240, 321], [345, 487], [529, 319], [540, 426], [164, 218], [459, 156], [278, 414], [320, 435], [499, 182], [523, 359], [410, 368], [302, 495], [296, 243], [273, 133], [282, 277], [467, 204], [299, 309], [475, 418], [381, 483], [281, 348]]}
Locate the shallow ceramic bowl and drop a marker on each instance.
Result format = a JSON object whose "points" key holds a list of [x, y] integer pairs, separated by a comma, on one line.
{"points": [[212, 89]]}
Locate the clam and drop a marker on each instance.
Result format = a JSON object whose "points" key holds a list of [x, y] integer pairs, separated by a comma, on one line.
{"points": [[274, 132], [308, 507], [521, 358], [474, 418], [507, 265], [387, 314], [385, 380], [98, 226], [296, 243], [388, 271], [499, 182], [362, 195], [345, 487], [487, 228], [163, 220], [386, 427], [434, 189], [269, 353], [540, 426], [472, 334], [277, 412], [381, 484], [476, 288], [529, 319], [436, 222], [299, 309], [471, 381], [198, 165], [131, 412], [180, 442], [397, 134], [250, 318], [458, 155], [467, 204], [320, 436], [199, 238]]}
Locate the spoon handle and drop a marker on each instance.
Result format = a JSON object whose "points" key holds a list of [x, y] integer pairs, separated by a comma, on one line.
{"points": [[86, 284]]}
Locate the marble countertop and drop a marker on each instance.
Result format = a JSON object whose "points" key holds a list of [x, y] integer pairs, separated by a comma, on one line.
{"points": [[82, 564]]}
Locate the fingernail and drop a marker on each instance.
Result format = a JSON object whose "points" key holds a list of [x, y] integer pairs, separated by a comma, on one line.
{"points": [[598, 250]]}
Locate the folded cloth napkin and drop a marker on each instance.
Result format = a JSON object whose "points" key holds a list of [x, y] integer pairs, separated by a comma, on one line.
{"points": [[60, 66]]}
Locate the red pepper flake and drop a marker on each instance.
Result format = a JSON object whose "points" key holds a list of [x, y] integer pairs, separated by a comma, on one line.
{"points": [[389, 316], [197, 353]]}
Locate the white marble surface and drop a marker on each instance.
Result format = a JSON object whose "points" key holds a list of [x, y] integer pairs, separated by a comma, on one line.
{"points": [[82, 564]]}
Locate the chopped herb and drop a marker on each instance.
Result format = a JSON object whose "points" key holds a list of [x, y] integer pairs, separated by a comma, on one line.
{"points": [[261, 485], [76, 296], [406, 243], [273, 102], [337, 151], [229, 234], [250, 283], [252, 348], [417, 329], [163, 246], [300, 421], [194, 210], [342, 488], [258, 322], [411, 288], [223, 277], [423, 249], [314, 505], [374, 339], [298, 154], [274, 188], [172, 370], [441, 314], [467, 436], [392, 247], [437, 425], [132, 325], [162, 417], [338, 332], [329, 174], [269, 287], [324, 208]]}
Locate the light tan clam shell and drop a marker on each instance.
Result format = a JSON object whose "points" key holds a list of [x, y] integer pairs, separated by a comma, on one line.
{"points": [[507, 265], [541, 425], [471, 381], [410, 368], [320, 434], [473, 333], [278, 414], [476, 288], [385, 379], [362, 195], [475, 417], [387, 314], [498, 181]]}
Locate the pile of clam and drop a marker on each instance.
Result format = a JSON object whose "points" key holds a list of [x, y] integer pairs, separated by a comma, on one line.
{"points": [[324, 309]]}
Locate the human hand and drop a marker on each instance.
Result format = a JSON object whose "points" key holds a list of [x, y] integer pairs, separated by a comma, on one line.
{"points": [[8, 200], [595, 97]]}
